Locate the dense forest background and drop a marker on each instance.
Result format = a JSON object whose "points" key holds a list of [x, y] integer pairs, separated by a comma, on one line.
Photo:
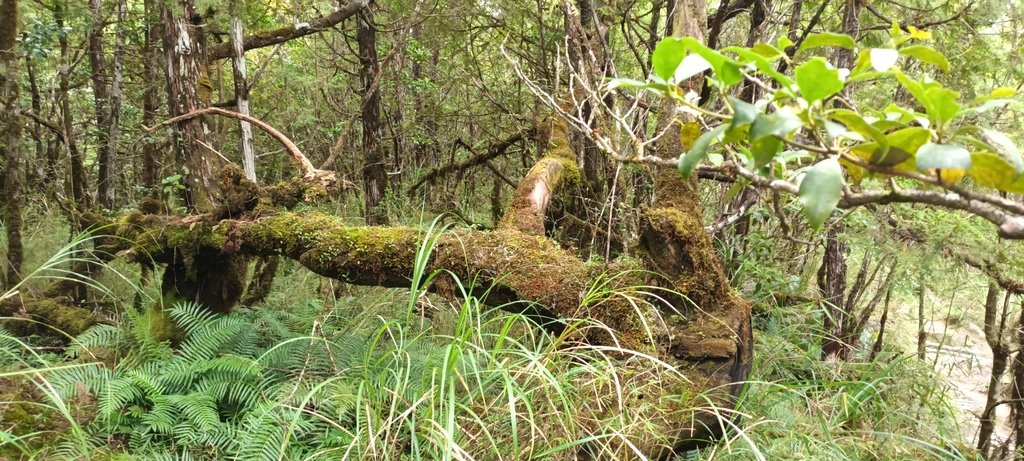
{"points": [[470, 229]]}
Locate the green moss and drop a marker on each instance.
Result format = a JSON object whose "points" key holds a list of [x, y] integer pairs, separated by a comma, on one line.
{"points": [[157, 321], [22, 415]]}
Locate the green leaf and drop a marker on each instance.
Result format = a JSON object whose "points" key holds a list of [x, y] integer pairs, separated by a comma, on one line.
{"points": [[666, 57], [943, 156], [925, 53], [1002, 93], [763, 65], [699, 150], [882, 59], [779, 123], [917, 90], [820, 191], [989, 169], [1005, 148], [768, 51], [817, 79], [763, 151], [903, 144], [726, 70], [944, 104], [828, 39], [855, 122], [743, 113]]}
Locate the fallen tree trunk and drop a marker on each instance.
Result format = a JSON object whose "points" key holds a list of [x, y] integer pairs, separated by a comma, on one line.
{"points": [[693, 321], [517, 271]]}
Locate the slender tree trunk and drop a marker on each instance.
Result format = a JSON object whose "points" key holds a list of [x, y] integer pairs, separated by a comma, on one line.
{"points": [[1017, 393], [880, 340], [10, 138], [922, 334], [79, 180], [43, 172], [108, 183], [995, 322], [374, 174], [242, 91], [151, 96], [101, 99], [832, 283]]}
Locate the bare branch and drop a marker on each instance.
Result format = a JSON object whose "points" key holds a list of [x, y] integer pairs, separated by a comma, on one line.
{"points": [[309, 172]]}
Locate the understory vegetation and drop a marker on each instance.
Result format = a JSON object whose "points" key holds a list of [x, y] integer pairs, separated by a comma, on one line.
{"points": [[373, 373], [671, 230]]}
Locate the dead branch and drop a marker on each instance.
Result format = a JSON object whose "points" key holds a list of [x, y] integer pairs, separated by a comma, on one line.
{"points": [[495, 150], [309, 172]]}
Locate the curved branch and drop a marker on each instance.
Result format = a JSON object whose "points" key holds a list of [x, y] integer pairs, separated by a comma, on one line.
{"points": [[309, 172]]}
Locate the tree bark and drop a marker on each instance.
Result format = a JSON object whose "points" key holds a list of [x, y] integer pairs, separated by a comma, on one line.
{"points": [[10, 139], [242, 91], [832, 283], [79, 180], [108, 183], [188, 89], [151, 157], [880, 339], [374, 174], [922, 334], [674, 244], [1017, 392], [995, 323], [101, 99]]}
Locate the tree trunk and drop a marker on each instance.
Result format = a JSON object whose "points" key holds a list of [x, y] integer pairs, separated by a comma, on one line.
{"points": [[188, 89], [880, 340], [79, 180], [151, 97], [673, 243], [108, 182], [374, 174], [242, 91], [101, 98], [1017, 393], [922, 334], [832, 283], [515, 267], [42, 172], [10, 139], [995, 323]]}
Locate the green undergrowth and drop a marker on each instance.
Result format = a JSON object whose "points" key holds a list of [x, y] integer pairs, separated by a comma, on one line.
{"points": [[799, 407], [321, 371]]}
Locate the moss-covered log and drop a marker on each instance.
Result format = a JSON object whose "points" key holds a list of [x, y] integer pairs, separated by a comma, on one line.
{"points": [[695, 322], [518, 271], [28, 315]]}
